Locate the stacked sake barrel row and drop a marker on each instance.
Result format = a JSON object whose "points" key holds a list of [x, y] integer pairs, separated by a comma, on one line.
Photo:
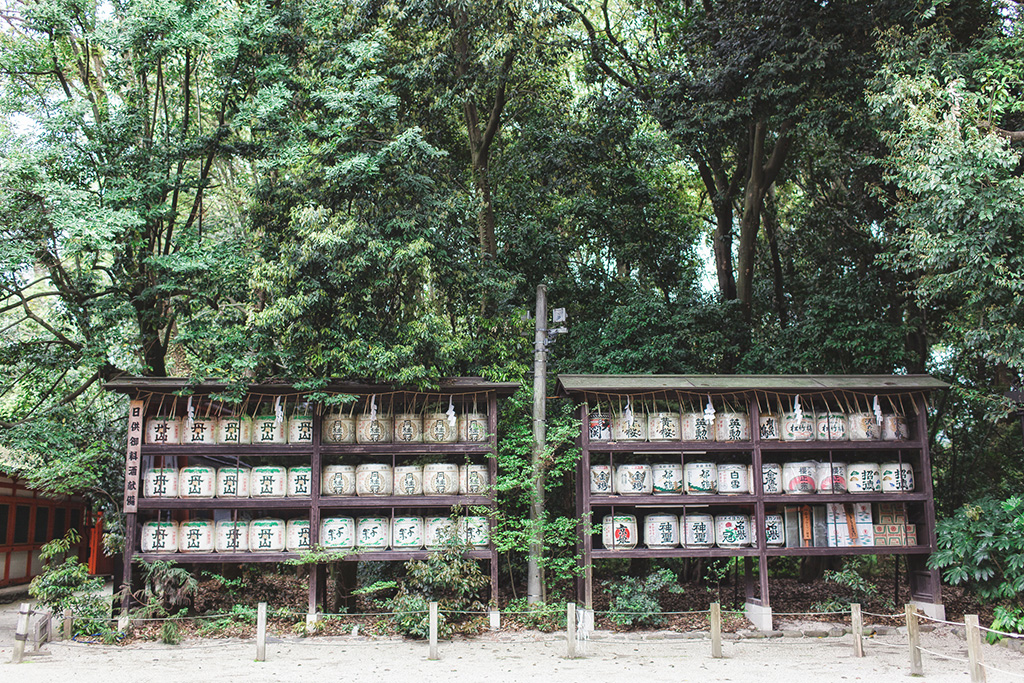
{"points": [[367, 534], [262, 429], [837, 477], [662, 531]]}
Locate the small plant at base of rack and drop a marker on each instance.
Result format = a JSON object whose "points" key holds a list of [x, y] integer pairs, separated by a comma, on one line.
{"points": [[634, 601], [319, 555], [67, 585], [546, 617]]}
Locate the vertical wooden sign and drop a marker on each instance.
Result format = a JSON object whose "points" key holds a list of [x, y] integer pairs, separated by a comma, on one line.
{"points": [[134, 459]]}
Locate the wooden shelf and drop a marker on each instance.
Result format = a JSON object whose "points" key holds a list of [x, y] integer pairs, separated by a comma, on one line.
{"points": [[295, 503], [230, 450], [822, 498], [860, 446], [672, 500], [380, 555], [669, 446], [854, 550], [300, 450], [387, 449], [604, 553], [343, 502]]}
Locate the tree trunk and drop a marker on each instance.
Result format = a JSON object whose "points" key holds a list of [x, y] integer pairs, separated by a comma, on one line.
{"points": [[771, 229]]}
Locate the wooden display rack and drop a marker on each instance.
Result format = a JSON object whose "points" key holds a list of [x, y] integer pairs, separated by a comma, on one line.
{"points": [[751, 392], [141, 456]]}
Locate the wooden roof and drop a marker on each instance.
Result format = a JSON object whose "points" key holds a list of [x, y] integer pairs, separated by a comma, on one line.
{"points": [[170, 385], [577, 384]]}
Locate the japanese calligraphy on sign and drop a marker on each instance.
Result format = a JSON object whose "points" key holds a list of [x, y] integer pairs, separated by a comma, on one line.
{"points": [[132, 462]]}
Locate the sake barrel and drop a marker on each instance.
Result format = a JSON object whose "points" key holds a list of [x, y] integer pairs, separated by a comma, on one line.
{"points": [[864, 427], [634, 480], [196, 536], [698, 427], [234, 429], [774, 531], [163, 430], [408, 428], [268, 481], [472, 427], [475, 530], [372, 533], [831, 477], [619, 532], [632, 429], [297, 535], [863, 477], [800, 477], [267, 430], [438, 531], [161, 482], [160, 537], [698, 530], [232, 537], [732, 427], [338, 480], [768, 427], [374, 479], [661, 531], [599, 426], [438, 428], [233, 482], [377, 430], [408, 480], [733, 479], [830, 427], [300, 482], [197, 482], [338, 533], [406, 533], [663, 426], [668, 478], [300, 429], [440, 479], [894, 428], [701, 478], [732, 531], [473, 479], [201, 430], [601, 480], [266, 535], [338, 428], [794, 429], [897, 477], [771, 477]]}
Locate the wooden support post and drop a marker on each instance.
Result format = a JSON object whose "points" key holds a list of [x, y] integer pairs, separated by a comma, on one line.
{"points": [[716, 630], [570, 630], [433, 631], [20, 634], [974, 653], [68, 625], [857, 626], [261, 632], [914, 637]]}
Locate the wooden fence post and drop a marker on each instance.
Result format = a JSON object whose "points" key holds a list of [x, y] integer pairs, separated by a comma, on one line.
{"points": [[974, 653], [914, 637], [716, 630], [68, 624], [857, 626], [261, 632], [20, 634], [433, 631], [570, 630]]}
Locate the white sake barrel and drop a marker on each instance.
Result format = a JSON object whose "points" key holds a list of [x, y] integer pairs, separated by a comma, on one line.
{"points": [[771, 477], [408, 428], [161, 482], [406, 533], [698, 427], [668, 478], [233, 482], [163, 430], [374, 479], [698, 530], [196, 536], [438, 531], [619, 533], [732, 427], [600, 426], [774, 531], [438, 428], [733, 479], [297, 535], [831, 477], [863, 477], [338, 480], [663, 426], [626, 430], [338, 533], [377, 430], [300, 482], [768, 426], [440, 479], [197, 482], [601, 480], [473, 479], [798, 430], [897, 477], [472, 427], [864, 427], [268, 481], [732, 531], [233, 429], [267, 430], [894, 428], [701, 478], [338, 428], [300, 429], [830, 427], [800, 477], [160, 537], [661, 531], [475, 530], [634, 480], [408, 480], [232, 537], [202, 430], [267, 535]]}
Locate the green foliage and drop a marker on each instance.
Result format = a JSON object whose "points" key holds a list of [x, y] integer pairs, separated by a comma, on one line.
{"points": [[167, 588], [1006, 619], [863, 589], [634, 601], [170, 632], [66, 584], [546, 617]]}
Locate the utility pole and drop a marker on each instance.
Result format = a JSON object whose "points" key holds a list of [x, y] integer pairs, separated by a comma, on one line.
{"points": [[540, 390]]}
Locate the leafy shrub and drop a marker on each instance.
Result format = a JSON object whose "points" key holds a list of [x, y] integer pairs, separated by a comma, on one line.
{"points": [[635, 600], [861, 588], [67, 585], [541, 616]]}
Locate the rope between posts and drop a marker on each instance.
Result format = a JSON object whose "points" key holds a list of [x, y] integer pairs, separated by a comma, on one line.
{"points": [[942, 656], [1002, 633], [942, 621], [805, 614], [885, 616], [456, 611], [885, 644], [1003, 671], [703, 611]]}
